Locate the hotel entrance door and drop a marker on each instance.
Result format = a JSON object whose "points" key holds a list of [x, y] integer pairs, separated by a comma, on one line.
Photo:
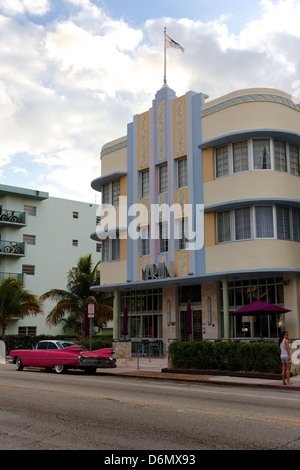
{"points": [[196, 326]]}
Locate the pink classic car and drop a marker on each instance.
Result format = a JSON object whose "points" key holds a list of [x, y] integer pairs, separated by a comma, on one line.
{"points": [[62, 355]]}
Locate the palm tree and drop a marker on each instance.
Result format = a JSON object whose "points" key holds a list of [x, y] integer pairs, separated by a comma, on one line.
{"points": [[75, 299], [16, 302]]}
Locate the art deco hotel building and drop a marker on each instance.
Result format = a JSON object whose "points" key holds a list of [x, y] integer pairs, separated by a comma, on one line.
{"points": [[205, 198]]}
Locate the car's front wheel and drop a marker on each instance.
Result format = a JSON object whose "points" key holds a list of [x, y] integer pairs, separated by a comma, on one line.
{"points": [[60, 369], [19, 364]]}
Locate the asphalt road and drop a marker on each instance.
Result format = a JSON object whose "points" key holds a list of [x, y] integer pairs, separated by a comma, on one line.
{"points": [[42, 411]]}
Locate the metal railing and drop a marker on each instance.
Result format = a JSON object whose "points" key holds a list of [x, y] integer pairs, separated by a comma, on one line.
{"points": [[12, 247], [16, 217], [13, 275]]}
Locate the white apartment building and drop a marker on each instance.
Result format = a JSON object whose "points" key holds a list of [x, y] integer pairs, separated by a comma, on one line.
{"points": [[41, 239]]}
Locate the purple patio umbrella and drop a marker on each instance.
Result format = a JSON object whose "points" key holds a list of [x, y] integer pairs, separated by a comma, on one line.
{"points": [[259, 308], [125, 323], [188, 329]]}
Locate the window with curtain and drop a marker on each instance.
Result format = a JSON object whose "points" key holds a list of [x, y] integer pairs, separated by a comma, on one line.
{"points": [[111, 193], [283, 223], [294, 160], [115, 249], [264, 222], [223, 226], [280, 156], [242, 224], [236, 224], [266, 154], [222, 161], [296, 224], [261, 154], [240, 156], [110, 249]]}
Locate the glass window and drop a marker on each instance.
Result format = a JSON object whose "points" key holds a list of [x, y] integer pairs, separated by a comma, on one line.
{"points": [[182, 173], [296, 224], [111, 193], [261, 154], [27, 330], [52, 346], [145, 183], [294, 160], [163, 238], [182, 227], [144, 309], [223, 226], [106, 194], [29, 239], [31, 210], [240, 156], [145, 242], [222, 163], [242, 224], [162, 179], [115, 192], [244, 292], [283, 223], [105, 250], [115, 249], [280, 156], [264, 222], [190, 294]]}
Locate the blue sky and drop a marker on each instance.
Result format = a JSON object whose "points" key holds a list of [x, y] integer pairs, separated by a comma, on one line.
{"points": [[238, 12], [74, 72]]}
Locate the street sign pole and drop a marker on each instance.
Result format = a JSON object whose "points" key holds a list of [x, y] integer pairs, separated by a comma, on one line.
{"points": [[91, 314]]}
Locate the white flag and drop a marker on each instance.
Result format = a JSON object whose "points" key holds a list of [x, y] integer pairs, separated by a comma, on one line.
{"points": [[174, 44]]}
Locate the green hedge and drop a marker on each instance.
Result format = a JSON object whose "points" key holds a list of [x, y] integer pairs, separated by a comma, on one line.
{"points": [[29, 342], [225, 356]]}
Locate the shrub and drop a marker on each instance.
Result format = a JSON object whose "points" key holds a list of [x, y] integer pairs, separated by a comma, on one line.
{"points": [[225, 355]]}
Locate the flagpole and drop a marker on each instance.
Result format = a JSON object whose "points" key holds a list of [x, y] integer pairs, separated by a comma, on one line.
{"points": [[165, 57]]}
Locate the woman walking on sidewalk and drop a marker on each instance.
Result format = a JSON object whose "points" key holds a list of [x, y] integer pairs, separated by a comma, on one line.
{"points": [[285, 355]]}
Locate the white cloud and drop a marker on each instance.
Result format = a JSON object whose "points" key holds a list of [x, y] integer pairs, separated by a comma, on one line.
{"points": [[33, 7], [71, 85]]}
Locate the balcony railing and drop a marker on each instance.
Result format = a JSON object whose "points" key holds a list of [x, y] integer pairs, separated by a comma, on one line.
{"points": [[12, 248], [8, 216], [13, 275]]}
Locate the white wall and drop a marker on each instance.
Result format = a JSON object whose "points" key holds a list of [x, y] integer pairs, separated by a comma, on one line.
{"points": [[53, 255]]}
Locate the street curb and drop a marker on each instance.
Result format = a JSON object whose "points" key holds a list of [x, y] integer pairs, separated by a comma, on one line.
{"points": [[226, 373], [158, 376]]}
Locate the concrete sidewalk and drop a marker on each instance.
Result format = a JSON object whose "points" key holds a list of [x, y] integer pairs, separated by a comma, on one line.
{"points": [[153, 368]]}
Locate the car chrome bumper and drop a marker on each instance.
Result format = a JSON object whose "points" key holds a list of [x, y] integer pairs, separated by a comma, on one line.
{"points": [[88, 361]]}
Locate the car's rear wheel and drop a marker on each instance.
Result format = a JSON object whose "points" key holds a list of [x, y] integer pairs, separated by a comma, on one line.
{"points": [[60, 369], [19, 364]]}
